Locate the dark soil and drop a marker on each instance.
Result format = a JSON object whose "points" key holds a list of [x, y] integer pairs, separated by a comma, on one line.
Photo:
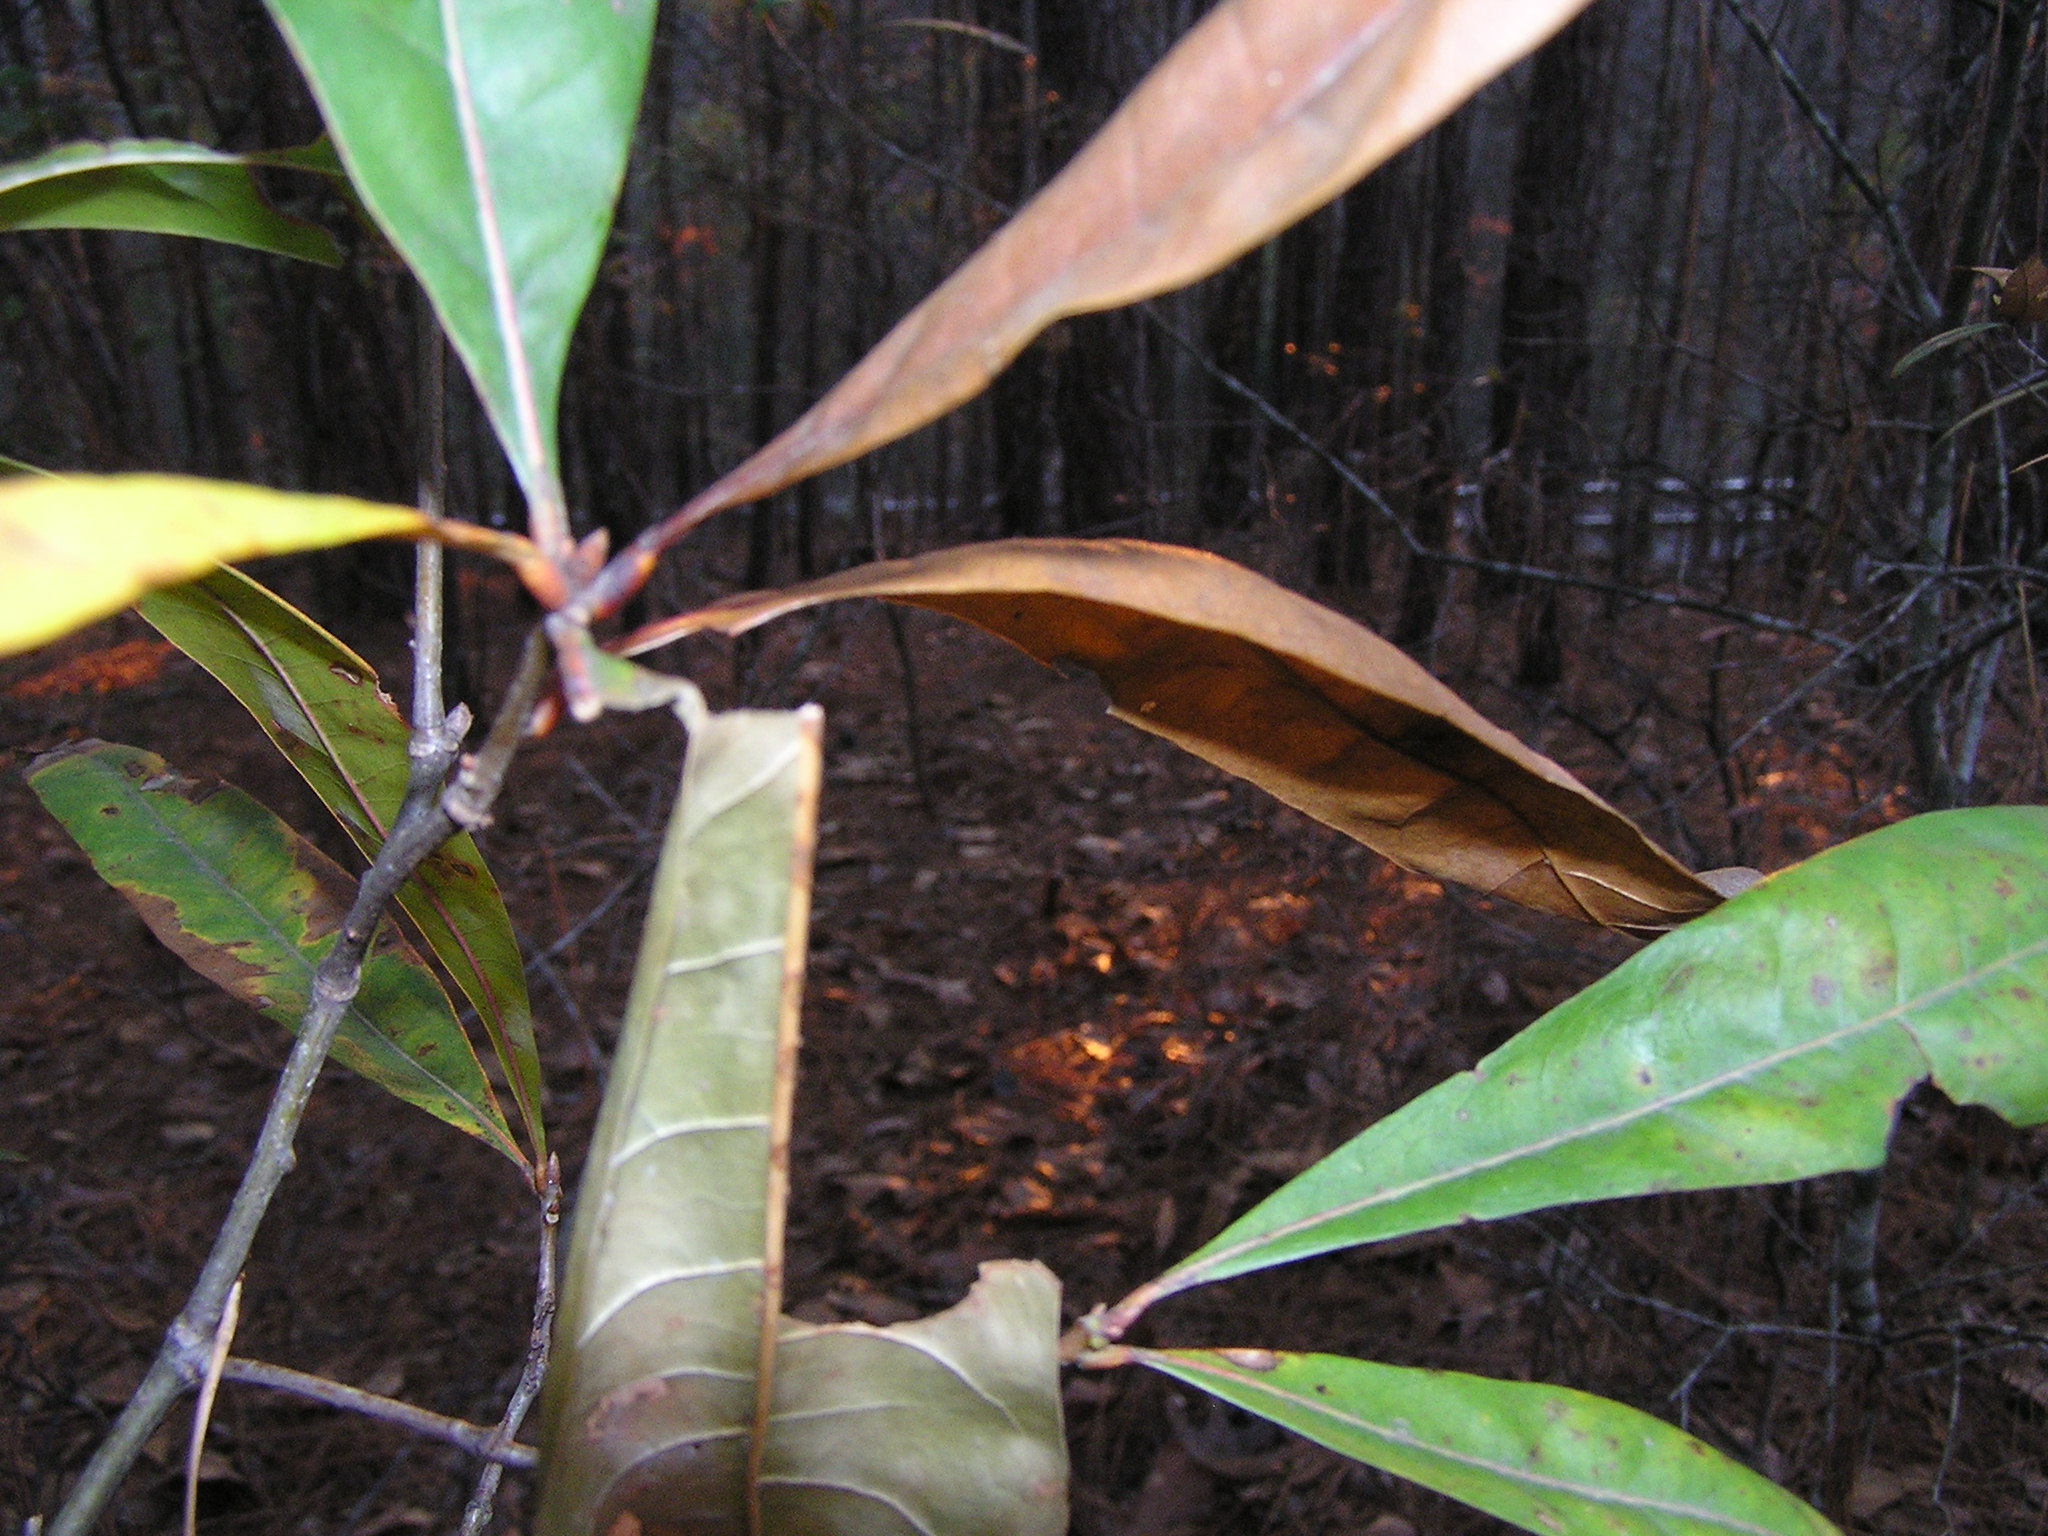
{"points": [[1074, 996]]}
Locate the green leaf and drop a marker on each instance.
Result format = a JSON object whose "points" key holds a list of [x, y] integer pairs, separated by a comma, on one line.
{"points": [[670, 1405], [1553, 1461], [157, 186], [1771, 1039], [253, 907], [74, 548], [1942, 342], [488, 138], [2035, 387], [9, 466], [320, 704]]}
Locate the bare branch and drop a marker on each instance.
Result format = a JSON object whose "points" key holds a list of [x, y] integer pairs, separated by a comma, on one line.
{"points": [[477, 1439], [477, 1516], [1923, 297]]}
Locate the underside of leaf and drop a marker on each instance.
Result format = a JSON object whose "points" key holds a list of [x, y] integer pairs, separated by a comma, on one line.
{"points": [[158, 186], [1298, 699], [672, 1406]]}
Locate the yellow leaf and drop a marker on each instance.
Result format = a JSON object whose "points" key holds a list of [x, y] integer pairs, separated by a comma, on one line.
{"points": [[74, 548]]}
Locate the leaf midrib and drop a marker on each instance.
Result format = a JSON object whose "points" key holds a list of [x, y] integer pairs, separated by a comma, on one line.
{"points": [[1196, 1274], [1597, 1493]]}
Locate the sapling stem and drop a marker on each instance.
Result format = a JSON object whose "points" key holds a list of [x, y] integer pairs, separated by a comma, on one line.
{"points": [[1856, 1252], [426, 820], [476, 1517]]}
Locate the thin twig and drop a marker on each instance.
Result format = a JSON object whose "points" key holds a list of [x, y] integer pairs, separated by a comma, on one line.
{"points": [[1770, 716], [1418, 550], [426, 820], [913, 725], [477, 1515], [1955, 1410], [1924, 299], [476, 1439]]}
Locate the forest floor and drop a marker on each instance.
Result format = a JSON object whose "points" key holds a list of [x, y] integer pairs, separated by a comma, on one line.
{"points": [[1074, 996]]}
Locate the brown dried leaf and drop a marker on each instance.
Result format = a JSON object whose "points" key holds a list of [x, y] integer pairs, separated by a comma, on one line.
{"points": [[1298, 699], [1264, 112], [2023, 292]]}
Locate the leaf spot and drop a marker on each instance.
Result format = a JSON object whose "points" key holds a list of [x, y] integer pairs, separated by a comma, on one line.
{"points": [[1251, 1359]]}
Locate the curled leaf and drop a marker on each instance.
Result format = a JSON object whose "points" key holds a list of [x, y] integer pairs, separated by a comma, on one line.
{"points": [[678, 1401], [159, 186], [2023, 292], [1298, 699]]}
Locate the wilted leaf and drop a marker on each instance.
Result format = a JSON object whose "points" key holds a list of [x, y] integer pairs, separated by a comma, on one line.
{"points": [[74, 548], [488, 139], [950, 1424], [1769, 1040], [254, 907], [1300, 700], [675, 1257], [319, 703], [1265, 111], [156, 186], [665, 1378], [946, 1424], [1553, 1461]]}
